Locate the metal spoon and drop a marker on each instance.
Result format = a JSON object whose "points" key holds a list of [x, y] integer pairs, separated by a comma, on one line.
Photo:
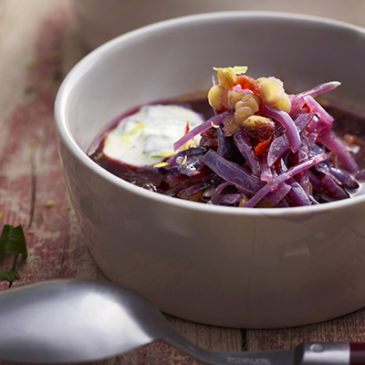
{"points": [[72, 321]]}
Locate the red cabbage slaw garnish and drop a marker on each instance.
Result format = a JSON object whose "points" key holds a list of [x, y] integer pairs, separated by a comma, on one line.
{"points": [[275, 183], [320, 89], [232, 173], [286, 121], [263, 147], [214, 121], [335, 145]]}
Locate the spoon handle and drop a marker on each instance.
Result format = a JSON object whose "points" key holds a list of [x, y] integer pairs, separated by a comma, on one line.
{"points": [[357, 353], [330, 354], [317, 353], [276, 357]]}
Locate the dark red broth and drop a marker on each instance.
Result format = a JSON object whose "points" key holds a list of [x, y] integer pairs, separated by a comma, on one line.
{"points": [[348, 125]]}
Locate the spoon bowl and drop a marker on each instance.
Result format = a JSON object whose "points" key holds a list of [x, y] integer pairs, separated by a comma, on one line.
{"points": [[71, 321]]}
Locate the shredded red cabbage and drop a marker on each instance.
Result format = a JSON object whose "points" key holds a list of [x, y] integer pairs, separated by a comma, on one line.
{"points": [[274, 184], [298, 195], [243, 144], [320, 89], [335, 145], [286, 121], [232, 173], [262, 148], [216, 120], [302, 163]]}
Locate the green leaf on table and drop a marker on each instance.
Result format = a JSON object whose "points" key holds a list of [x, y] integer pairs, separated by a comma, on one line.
{"points": [[12, 241], [9, 276]]}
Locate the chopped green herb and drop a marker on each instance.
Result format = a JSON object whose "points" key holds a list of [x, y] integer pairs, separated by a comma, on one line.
{"points": [[12, 241], [9, 275]]}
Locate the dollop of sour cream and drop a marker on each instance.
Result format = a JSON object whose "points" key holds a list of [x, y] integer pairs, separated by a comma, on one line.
{"points": [[148, 136]]}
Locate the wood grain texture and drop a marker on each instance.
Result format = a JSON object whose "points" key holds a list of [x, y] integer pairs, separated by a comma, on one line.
{"points": [[350, 328], [37, 50]]}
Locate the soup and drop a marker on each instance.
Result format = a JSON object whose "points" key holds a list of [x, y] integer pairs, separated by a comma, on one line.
{"points": [[248, 144]]}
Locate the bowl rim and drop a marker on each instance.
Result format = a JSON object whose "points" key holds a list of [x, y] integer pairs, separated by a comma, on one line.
{"points": [[103, 50]]}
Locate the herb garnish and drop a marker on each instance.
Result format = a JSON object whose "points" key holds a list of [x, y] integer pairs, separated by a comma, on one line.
{"points": [[12, 242], [9, 276]]}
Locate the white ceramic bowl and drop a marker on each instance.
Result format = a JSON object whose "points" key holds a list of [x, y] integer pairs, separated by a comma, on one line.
{"points": [[218, 265]]}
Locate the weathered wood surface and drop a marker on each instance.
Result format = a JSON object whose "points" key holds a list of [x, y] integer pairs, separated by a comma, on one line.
{"points": [[38, 42], [36, 45]]}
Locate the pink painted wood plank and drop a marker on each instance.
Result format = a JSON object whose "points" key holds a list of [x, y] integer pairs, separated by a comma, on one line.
{"points": [[350, 328]]}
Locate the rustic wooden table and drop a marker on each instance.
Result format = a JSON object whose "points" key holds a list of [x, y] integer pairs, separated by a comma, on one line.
{"points": [[38, 44]]}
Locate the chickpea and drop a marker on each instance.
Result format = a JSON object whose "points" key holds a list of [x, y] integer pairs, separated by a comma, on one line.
{"points": [[272, 92], [252, 101], [259, 127], [247, 106], [271, 89], [242, 113], [233, 97], [216, 97]]}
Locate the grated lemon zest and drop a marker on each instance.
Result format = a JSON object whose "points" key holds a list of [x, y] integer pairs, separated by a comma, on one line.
{"points": [[136, 129], [186, 146], [161, 164], [168, 154], [164, 155], [237, 70], [126, 137], [189, 144], [184, 160]]}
